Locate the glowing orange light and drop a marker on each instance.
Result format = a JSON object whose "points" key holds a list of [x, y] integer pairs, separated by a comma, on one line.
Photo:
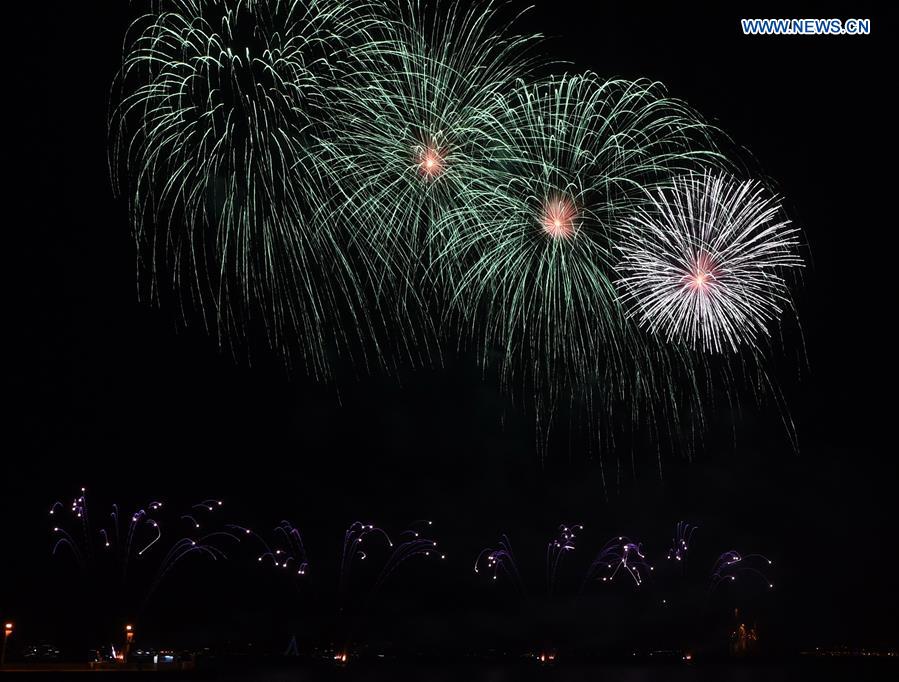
{"points": [[431, 161], [558, 218], [702, 274]]}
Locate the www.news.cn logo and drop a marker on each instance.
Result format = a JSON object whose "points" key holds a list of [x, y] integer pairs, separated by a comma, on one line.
{"points": [[806, 27]]}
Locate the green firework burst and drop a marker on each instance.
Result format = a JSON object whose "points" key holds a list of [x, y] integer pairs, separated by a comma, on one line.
{"points": [[219, 101], [528, 262], [317, 168], [417, 125]]}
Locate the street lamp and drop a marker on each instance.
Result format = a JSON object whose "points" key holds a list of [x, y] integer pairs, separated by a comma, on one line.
{"points": [[129, 637], [7, 631]]}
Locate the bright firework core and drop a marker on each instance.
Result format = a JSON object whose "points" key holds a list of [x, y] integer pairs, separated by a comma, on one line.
{"points": [[558, 218], [431, 161], [701, 275]]}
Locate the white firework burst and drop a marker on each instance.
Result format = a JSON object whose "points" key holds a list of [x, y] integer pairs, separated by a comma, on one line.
{"points": [[705, 262]]}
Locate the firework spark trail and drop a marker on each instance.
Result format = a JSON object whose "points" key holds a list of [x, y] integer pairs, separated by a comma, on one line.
{"points": [[729, 565], [327, 171], [680, 544], [619, 554], [501, 558], [558, 547], [415, 128], [413, 546], [410, 543], [295, 550], [528, 258], [141, 538], [218, 104], [66, 540], [286, 550], [352, 541], [705, 262], [154, 540], [184, 547], [417, 122], [208, 505]]}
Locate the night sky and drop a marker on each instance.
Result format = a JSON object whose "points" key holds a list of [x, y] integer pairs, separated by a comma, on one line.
{"points": [[119, 396]]}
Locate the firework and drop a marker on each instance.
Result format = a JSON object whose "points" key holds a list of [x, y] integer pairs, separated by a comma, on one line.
{"points": [[286, 551], [415, 126], [528, 260], [563, 543], [126, 557], [619, 555], [364, 542], [680, 544], [219, 103], [325, 171], [417, 122], [731, 564], [501, 559], [705, 262], [353, 550], [410, 543]]}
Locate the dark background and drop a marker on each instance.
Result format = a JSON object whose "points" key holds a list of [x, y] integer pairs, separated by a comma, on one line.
{"points": [[116, 395]]}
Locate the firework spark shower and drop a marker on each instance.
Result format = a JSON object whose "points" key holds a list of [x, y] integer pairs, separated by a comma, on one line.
{"points": [[529, 259], [705, 263], [220, 102], [573, 281], [123, 558], [381, 182]]}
